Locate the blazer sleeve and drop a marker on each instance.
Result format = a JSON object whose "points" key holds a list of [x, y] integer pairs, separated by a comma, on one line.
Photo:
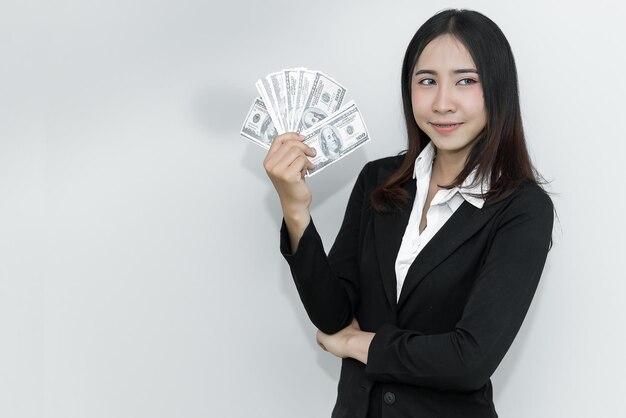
{"points": [[465, 358], [328, 285]]}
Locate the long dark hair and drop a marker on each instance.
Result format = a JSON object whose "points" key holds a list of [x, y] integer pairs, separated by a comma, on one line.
{"points": [[499, 152]]}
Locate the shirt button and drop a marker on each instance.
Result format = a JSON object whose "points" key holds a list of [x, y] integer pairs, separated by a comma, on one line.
{"points": [[389, 398]]}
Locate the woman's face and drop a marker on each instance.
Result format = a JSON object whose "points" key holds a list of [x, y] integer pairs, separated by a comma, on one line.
{"points": [[446, 90]]}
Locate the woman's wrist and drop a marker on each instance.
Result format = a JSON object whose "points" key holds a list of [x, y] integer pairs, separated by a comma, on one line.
{"points": [[296, 213], [296, 219], [358, 344]]}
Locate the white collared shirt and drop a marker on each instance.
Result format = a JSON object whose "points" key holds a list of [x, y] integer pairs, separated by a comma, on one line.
{"points": [[444, 204]]}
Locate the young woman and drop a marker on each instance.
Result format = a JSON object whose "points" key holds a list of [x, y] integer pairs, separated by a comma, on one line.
{"points": [[441, 248]]}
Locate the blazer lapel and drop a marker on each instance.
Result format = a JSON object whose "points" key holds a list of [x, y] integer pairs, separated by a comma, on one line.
{"points": [[389, 230], [463, 223]]}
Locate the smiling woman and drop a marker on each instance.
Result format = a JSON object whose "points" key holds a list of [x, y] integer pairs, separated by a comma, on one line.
{"points": [[447, 104], [441, 249]]}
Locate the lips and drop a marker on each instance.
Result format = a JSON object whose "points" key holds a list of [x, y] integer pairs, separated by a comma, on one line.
{"points": [[445, 124], [445, 127]]}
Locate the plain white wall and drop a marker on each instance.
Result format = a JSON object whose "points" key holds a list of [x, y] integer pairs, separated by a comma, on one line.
{"points": [[139, 267]]}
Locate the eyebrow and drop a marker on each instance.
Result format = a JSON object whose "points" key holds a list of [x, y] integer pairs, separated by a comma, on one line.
{"points": [[460, 71]]}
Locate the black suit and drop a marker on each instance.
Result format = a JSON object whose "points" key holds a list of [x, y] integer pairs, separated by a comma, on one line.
{"points": [[461, 305]]}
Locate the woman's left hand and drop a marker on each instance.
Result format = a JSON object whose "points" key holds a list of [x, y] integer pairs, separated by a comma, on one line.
{"points": [[337, 344], [349, 342]]}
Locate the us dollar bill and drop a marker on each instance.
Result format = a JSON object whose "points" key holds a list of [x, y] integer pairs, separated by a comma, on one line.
{"points": [[258, 126], [265, 91], [277, 83], [291, 86], [325, 98], [337, 136], [303, 89]]}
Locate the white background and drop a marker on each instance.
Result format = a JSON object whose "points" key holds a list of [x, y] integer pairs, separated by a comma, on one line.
{"points": [[139, 267]]}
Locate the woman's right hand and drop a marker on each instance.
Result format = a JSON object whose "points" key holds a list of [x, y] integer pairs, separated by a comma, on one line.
{"points": [[286, 164]]}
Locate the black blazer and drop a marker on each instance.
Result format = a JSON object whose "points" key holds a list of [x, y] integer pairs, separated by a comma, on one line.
{"points": [[462, 303]]}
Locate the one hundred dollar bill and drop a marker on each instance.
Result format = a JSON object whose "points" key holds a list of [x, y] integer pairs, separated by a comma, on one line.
{"points": [[325, 98], [265, 90], [337, 136], [278, 89], [303, 89], [291, 86], [258, 126]]}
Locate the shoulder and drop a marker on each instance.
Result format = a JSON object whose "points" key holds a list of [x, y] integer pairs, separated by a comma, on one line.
{"points": [[529, 201], [376, 171], [389, 163], [530, 194]]}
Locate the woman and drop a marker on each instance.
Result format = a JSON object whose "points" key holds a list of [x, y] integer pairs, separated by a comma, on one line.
{"points": [[441, 248]]}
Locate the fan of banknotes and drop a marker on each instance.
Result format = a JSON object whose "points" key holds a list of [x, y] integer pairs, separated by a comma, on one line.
{"points": [[310, 103]]}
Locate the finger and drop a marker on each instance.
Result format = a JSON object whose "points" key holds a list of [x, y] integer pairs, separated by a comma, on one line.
{"points": [[294, 159], [311, 152], [309, 166], [278, 144], [305, 165], [289, 145], [285, 155], [295, 171], [319, 341], [287, 142], [282, 139]]}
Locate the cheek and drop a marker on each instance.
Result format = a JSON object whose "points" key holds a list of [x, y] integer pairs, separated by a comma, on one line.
{"points": [[419, 104], [476, 102]]}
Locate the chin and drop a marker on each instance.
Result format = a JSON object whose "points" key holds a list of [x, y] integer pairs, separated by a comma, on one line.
{"points": [[451, 146]]}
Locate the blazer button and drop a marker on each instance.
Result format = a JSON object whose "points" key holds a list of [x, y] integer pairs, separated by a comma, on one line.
{"points": [[389, 398]]}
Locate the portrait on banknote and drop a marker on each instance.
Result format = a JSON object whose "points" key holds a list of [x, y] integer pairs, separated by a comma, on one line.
{"points": [[330, 142], [311, 116], [268, 131]]}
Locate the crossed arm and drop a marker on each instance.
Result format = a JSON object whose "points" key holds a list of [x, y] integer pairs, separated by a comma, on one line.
{"points": [[349, 342], [463, 358]]}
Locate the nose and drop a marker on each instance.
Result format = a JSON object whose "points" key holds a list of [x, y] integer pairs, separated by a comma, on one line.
{"points": [[444, 100]]}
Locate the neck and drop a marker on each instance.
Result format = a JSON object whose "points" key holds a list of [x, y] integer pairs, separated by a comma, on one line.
{"points": [[447, 166]]}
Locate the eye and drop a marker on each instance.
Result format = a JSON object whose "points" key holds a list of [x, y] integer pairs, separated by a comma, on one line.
{"points": [[426, 82], [467, 81]]}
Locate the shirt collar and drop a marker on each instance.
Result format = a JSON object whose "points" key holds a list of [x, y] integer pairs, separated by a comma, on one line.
{"points": [[423, 166], [424, 161], [478, 190]]}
